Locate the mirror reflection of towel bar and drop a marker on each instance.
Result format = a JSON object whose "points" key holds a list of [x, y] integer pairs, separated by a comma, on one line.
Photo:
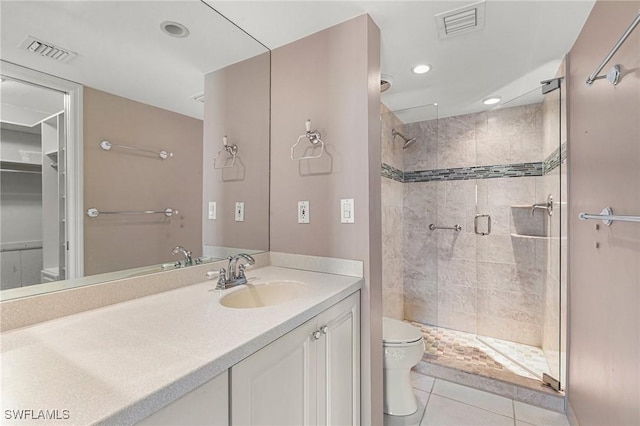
{"points": [[93, 212], [106, 145]]}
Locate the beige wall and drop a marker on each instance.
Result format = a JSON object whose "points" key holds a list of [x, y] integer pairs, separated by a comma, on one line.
{"points": [[118, 180], [237, 105], [604, 170], [333, 77]]}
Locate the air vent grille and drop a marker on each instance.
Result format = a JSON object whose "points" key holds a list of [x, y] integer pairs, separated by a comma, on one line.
{"points": [[47, 50], [461, 21]]}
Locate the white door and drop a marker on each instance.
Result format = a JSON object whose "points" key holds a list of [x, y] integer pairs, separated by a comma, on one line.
{"points": [[277, 385], [339, 363]]}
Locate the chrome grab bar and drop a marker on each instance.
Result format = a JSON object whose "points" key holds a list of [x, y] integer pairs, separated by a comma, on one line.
{"points": [[455, 227], [475, 224], [607, 217], [106, 145], [93, 212]]}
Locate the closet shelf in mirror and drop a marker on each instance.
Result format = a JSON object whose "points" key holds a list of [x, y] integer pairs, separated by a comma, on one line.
{"points": [[53, 156], [16, 166]]}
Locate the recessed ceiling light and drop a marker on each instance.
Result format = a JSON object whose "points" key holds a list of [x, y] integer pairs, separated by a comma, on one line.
{"points": [[174, 29], [421, 69], [492, 101]]}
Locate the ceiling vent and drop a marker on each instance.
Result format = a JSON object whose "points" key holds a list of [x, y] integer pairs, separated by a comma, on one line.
{"points": [[461, 20], [198, 97], [46, 49]]}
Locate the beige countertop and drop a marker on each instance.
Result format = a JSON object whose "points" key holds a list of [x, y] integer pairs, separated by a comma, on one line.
{"points": [[120, 363]]}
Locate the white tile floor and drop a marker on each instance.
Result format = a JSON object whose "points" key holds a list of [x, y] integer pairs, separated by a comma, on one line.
{"points": [[444, 403]]}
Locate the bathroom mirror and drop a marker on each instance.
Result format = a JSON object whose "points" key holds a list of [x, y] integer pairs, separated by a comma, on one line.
{"points": [[174, 81]]}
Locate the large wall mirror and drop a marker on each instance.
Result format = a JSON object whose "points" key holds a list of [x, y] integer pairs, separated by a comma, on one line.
{"points": [[128, 129]]}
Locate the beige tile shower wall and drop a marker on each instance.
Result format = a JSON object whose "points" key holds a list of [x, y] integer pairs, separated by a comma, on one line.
{"points": [[420, 260], [423, 154], [392, 236], [491, 285], [237, 105], [119, 180], [391, 149], [604, 133], [333, 78]]}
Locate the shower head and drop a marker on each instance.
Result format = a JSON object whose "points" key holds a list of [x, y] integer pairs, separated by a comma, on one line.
{"points": [[407, 142]]}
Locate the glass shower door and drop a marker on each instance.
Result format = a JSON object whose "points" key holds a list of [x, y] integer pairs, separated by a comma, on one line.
{"points": [[517, 231]]}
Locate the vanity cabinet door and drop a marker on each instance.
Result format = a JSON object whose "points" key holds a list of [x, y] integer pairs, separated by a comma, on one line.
{"points": [[310, 376], [206, 405], [277, 385], [339, 363]]}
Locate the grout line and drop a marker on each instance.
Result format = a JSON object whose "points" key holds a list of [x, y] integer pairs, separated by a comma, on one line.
{"points": [[513, 408], [479, 408]]}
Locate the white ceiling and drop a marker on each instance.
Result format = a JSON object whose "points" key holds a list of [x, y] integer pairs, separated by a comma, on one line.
{"points": [[27, 105], [121, 49], [522, 43]]}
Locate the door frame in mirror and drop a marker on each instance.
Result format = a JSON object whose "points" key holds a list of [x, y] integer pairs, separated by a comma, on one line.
{"points": [[74, 154]]}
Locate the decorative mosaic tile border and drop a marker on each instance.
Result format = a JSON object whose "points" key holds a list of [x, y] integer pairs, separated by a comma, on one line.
{"points": [[480, 172], [476, 172], [391, 172], [556, 158]]}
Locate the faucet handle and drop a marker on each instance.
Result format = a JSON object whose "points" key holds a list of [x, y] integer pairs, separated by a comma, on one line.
{"points": [[241, 269], [212, 274], [222, 278]]}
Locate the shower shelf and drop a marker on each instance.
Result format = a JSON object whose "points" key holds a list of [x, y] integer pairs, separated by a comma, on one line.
{"points": [[533, 237]]}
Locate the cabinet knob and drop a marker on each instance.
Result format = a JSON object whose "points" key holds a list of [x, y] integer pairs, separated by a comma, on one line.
{"points": [[324, 329], [316, 334]]}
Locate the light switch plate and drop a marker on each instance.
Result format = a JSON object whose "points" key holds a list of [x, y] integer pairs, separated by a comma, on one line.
{"points": [[303, 212], [212, 210], [239, 212], [347, 212]]}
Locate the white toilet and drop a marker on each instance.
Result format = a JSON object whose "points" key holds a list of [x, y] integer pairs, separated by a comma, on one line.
{"points": [[403, 348]]}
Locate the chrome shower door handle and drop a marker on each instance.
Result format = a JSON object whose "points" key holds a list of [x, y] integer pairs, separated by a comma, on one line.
{"points": [[475, 224]]}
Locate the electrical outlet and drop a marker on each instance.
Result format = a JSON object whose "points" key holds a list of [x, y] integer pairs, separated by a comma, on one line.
{"points": [[303, 212], [347, 211], [239, 212], [212, 210]]}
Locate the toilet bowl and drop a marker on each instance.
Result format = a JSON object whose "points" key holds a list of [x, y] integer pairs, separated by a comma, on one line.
{"points": [[403, 348]]}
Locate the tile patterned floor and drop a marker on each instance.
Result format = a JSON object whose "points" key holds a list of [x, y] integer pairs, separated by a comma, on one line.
{"points": [[485, 356], [442, 403]]}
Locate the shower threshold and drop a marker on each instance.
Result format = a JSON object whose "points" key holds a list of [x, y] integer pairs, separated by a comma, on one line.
{"points": [[505, 368]]}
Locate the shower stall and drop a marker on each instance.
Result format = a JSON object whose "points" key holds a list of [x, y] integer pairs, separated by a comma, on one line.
{"points": [[474, 235]]}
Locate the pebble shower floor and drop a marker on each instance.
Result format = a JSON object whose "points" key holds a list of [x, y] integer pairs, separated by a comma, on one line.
{"points": [[485, 356]]}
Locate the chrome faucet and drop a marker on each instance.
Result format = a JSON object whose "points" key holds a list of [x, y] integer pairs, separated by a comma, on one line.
{"points": [[187, 254], [234, 275], [548, 206]]}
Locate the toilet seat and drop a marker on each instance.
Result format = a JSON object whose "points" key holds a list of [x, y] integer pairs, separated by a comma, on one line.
{"points": [[398, 333]]}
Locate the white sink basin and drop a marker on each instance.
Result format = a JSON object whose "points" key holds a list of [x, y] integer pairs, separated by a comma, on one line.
{"points": [[264, 294]]}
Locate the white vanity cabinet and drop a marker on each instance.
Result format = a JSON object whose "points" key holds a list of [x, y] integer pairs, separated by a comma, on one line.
{"points": [[206, 405], [310, 376]]}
